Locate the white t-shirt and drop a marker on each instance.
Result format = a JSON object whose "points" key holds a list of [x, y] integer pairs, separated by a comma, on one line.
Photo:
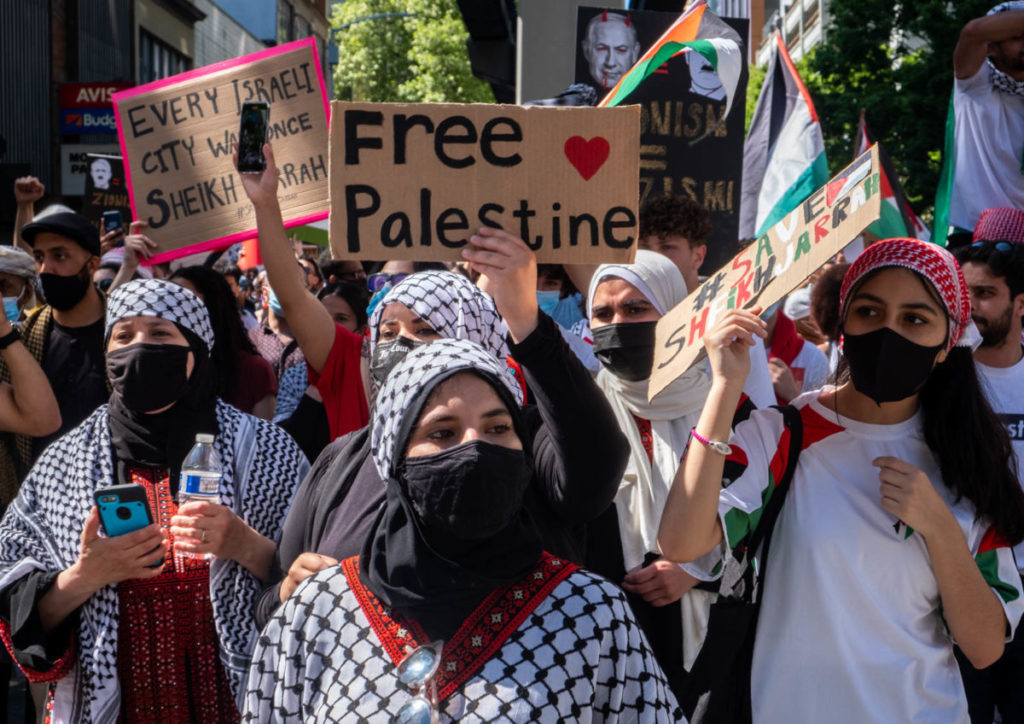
{"points": [[1005, 387], [989, 149], [811, 365], [851, 627]]}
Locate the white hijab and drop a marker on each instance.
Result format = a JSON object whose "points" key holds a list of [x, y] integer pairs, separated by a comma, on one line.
{"points": [[645, 485]]}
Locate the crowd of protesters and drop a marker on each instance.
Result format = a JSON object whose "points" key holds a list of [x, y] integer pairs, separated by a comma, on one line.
{"points": [[446, 495]]}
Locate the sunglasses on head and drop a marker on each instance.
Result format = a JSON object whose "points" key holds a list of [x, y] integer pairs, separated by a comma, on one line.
{"points": [[1003, 246], [376, 282]]}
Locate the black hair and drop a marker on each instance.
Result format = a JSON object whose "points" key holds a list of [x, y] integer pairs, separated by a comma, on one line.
{"points": [[228, 270], [825, 300], [312, 262], [974, 451], [1007, 265], [557, 271], [357, 296], [228, 333], [675, 215]]}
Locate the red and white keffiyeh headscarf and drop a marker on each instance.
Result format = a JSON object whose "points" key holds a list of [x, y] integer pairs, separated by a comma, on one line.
{"points": [[1000, 224], [934, 264]]}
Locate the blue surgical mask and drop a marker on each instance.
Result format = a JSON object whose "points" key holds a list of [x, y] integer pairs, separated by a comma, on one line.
{"points": [[275, 304], [11, 310], [375, 299], [547, 301]]}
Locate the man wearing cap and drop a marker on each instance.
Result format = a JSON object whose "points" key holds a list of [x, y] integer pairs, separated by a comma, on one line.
{"points": [[66, 334], [988, 102], [993, 267]]}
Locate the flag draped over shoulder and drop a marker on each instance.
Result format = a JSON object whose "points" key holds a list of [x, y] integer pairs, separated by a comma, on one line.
{"points": [[784, 154], [898, 218], [698, 30]]}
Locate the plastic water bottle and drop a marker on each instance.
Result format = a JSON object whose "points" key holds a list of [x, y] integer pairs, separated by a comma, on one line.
{"points": [[200, 480], [200, 473]]}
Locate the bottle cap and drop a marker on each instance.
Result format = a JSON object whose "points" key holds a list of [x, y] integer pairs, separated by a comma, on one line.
{"points": [[204, 437]]}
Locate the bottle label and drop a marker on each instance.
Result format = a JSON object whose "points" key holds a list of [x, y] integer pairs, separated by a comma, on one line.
{"points": [[201, 484]]}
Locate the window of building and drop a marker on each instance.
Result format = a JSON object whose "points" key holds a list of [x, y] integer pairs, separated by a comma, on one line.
{"points": [[159, 60], [285, 22], [302, 29]]}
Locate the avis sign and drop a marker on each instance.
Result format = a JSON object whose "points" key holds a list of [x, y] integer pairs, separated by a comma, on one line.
{"points": [[772, 266], [416, 181]]}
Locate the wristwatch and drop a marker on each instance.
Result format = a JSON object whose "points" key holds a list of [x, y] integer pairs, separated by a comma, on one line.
{"points": [[722, 448], [10, 338]]}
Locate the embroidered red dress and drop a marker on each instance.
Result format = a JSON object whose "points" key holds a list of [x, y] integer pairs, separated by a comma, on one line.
{"points": [[167, 659]]}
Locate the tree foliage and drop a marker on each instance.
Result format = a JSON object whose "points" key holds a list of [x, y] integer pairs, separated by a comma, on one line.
{"points": [[895, 59], [418, 58]]}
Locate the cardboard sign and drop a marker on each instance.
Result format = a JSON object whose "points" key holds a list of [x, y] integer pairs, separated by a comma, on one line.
{"points": [[682, 102], [772, 266], [416, 181], [177, 136], [105, 190]]}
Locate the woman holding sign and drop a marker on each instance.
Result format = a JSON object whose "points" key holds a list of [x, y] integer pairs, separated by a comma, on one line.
{"points": [[578, 452], [894, 538]]}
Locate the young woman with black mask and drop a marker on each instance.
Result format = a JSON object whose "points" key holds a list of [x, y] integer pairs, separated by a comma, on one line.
{"points": [[453, 611], [122, 627], [894, 538]]}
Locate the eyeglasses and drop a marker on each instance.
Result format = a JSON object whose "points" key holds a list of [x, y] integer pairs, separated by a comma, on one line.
{"points": [[416, 671], [376, 282]]}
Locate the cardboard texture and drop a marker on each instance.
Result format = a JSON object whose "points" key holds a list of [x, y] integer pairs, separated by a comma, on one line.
{"points": [[415, 181], [772, 266], [177, 138]]}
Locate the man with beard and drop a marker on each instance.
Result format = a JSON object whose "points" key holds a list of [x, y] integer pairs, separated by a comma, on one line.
{"points": [[988, 102], [66, 334], [994, 269], [610, 47]]}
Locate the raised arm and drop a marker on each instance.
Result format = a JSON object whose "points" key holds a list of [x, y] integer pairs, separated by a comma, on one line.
{"points": [[27, 405], [27, 190], [972, 48], [689, 524], [308, 320]]}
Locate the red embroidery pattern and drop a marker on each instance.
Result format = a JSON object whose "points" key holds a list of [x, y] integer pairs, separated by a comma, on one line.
{"points": [[480, 635], [59, 669], [168, 654], [644, 428]]}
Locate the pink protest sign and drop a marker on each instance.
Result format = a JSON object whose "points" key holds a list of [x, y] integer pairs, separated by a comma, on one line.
{"points": [[177, 138]]}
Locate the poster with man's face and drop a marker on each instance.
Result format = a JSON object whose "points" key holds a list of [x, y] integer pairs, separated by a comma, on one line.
{"points": [[105, 189], [686, 147]]}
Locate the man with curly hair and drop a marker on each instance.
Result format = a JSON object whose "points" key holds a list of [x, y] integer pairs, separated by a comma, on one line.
{"points": [[677, 227]]}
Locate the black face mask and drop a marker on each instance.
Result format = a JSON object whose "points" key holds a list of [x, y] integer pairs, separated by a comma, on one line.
{"points": [[886, 366], [385, 356], [471, 491], [63, 293], [148, 377], [626, 350]]}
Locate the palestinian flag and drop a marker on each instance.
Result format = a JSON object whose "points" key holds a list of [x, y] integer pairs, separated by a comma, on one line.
{"points": [[941, 228], [698, 30], [784, 154], [898, 218]]}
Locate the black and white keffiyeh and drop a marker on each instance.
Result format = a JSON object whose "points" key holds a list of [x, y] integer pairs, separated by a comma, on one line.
{"points": [[421, 369], [1003, 82], [453, 306], [579, 657], [163, 299], [41, 530]]}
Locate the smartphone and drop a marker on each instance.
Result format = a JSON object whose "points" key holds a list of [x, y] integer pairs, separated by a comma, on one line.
{"points": [[123, 509], [112, 221], [252, 134]]}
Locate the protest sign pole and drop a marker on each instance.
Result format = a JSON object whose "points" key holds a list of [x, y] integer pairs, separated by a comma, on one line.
{"points": [[772, 266]]}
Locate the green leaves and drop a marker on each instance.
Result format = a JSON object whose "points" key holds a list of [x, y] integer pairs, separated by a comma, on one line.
{"points": [[418, 58]]}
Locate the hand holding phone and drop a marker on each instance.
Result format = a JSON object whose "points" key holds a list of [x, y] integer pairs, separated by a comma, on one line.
{"points": [[252, 134], [124, 509]]}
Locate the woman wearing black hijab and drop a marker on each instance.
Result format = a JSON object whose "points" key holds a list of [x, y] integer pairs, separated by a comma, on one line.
{"points": [[124, 629], [453, 610]]}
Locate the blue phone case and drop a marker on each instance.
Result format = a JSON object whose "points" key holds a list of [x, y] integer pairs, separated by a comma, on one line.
{"points": [[120, 516]]}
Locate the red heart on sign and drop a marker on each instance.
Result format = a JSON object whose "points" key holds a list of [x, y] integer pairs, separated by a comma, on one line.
{"points": [[587, 156]]}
